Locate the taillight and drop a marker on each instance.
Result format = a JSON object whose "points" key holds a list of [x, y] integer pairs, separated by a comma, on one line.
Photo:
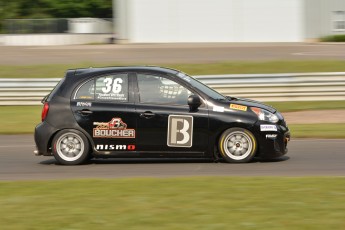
{"points": [[45, 111]]}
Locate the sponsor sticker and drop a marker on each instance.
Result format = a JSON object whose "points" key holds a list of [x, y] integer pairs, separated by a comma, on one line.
{"points": [[218, 109], [238, 107], [115, 128], [180, 131], [85, 97], [112, 96], [268, 128], [115, 147], [271, 136], [84, 104], [113, 89]]}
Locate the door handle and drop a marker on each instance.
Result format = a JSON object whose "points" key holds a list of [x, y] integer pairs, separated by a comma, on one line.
{"points": [[147, 114], [85, 112]]}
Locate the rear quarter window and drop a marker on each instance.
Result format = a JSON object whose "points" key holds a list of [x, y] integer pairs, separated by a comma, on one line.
{"points": [[86, 91]]}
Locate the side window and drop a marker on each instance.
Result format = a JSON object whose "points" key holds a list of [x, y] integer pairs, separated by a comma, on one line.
{"points": [[159, 90], [108, 88], [112, 88], [86, 91]]}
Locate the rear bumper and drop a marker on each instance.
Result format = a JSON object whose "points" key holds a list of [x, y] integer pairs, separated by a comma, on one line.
{"points": [[43, 135]]}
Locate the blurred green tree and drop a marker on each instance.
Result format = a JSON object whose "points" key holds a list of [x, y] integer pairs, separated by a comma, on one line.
{"points": [[37, 9], [77, 8]]}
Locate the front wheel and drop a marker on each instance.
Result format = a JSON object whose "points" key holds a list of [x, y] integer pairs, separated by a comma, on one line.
{"points": [[70, 147], [237, 145]]}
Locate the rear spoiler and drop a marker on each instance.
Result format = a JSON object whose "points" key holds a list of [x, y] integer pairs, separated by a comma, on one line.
{"points": [[44, 100]]}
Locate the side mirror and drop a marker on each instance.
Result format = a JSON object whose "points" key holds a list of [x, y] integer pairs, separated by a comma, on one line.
{"points": [[194, 102]]}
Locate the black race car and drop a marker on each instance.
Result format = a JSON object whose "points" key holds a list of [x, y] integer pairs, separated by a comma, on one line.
{"points": [[135, 112]]}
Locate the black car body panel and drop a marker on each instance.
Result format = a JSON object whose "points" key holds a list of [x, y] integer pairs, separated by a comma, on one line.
{"points": [[131, 128]]}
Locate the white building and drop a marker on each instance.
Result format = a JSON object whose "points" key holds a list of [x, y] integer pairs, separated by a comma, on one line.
{"points": [[154, 21]]}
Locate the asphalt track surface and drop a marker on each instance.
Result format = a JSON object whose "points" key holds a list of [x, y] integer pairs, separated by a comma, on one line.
{"points": [[158, 54], [305, 158]]}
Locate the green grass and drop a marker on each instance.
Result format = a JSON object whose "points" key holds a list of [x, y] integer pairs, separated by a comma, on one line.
{"points": [[175, 203], [287, 106], [262, 67], [37, 71], [334, 38], [19, 119], [23, 119], [317, 130], [237, 67]]}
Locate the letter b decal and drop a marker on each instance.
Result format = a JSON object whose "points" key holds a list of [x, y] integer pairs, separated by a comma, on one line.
{"points": [[180, 131]]}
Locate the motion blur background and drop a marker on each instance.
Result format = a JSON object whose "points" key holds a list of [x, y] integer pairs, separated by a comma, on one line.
{"points": [[50, 22], [288, 53], [291, 48]]}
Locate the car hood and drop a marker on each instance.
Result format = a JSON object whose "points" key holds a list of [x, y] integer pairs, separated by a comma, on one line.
{"points": [[251, 103]]}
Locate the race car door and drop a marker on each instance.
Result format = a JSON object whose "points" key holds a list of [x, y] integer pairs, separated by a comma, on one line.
{"points": [[165, 124], [104, 108]]}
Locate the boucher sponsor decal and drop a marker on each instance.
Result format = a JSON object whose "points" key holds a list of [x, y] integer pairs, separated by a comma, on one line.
{"points": [[268, 128], [115, 147], [84, 104], [218, 109], [238, 107], [116, 128], [180, 131]]}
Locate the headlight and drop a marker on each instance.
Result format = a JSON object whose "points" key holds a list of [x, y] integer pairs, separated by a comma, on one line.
{"points": [[264, 115]]}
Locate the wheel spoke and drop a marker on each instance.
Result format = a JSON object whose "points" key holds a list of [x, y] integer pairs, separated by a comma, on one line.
{"points": [[64, 151], [74, 152], [233, 149]]}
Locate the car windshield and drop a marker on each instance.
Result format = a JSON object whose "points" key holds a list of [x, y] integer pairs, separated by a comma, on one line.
{"points": [[200, 86]]}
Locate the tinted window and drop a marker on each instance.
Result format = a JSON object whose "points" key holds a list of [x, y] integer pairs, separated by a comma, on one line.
{"points": [[159, 90], [200, 86]]}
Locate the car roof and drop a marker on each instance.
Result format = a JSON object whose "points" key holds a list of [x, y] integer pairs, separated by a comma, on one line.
{"points": [[74, 77], [94, 70]]}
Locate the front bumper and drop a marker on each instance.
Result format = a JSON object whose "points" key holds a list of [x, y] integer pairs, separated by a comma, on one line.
{"points": [[273, 144]]}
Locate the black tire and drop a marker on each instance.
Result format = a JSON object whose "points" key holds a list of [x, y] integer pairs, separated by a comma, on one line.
{"points": [[70, 147], [237, 145]]}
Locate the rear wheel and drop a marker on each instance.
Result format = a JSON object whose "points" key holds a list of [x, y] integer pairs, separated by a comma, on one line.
{"points": [[237, 145], [70, 147]]}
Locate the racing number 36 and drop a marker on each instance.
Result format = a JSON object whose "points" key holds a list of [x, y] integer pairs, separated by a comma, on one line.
{"points": [[180, 131], [112, 85]]}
